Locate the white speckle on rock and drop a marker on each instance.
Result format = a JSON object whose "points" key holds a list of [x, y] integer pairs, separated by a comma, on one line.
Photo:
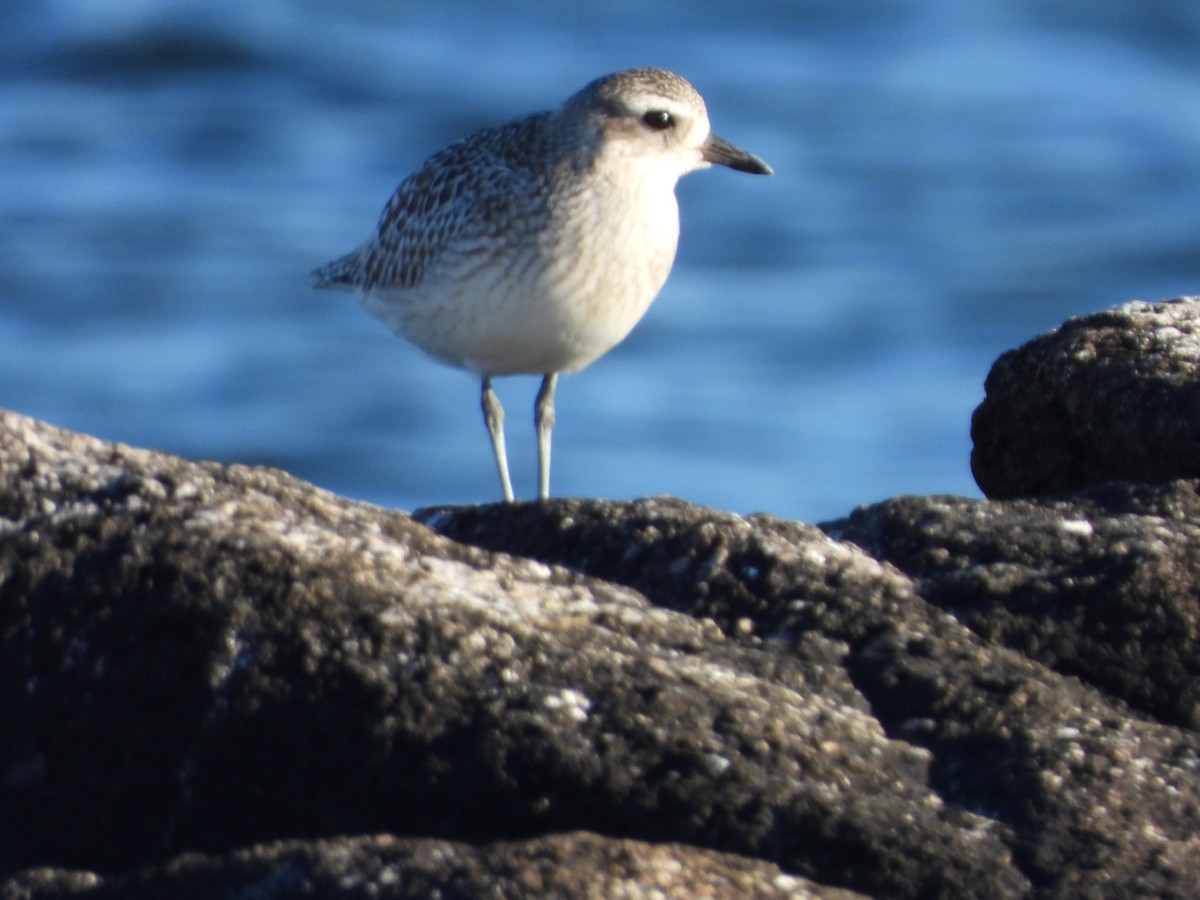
{"points": [[787, 882], [1179, 343], [186, 490], [1081, 527], [716, 763], [535, 569], [573, 703], [813, 554]]}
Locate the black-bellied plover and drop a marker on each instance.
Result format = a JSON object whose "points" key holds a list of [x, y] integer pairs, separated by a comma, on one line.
{"points": [[535, 247]]}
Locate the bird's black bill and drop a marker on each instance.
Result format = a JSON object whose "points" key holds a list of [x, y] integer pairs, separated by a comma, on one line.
{"points": [[720, 151]]}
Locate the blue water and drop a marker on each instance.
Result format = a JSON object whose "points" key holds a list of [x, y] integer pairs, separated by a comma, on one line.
{"points": [[952, 180]]}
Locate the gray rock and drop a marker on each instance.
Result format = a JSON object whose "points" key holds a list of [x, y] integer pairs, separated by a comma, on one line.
{"points": [[1101, 585], [1091, 797], [198, 658], [567, 865], [223, 680], [1106, 397]]}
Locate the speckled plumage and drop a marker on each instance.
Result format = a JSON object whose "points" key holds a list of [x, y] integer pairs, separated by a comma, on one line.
{"points": [[467, 192], [536, 246]]}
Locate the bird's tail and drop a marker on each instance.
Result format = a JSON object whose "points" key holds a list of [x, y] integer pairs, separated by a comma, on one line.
{"points": [[341, 273]]}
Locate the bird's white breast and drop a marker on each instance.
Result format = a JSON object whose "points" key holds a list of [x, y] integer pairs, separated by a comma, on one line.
{"points": [[555, 296]]}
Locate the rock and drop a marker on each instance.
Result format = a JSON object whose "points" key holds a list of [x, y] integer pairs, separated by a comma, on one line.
{"points": [[1101, 585], [220, 681], [567, 865], [1091, 797], [202, 659], [1106, 397]]}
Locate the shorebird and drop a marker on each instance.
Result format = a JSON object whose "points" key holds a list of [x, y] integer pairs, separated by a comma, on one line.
{"points": [[534, 247]]}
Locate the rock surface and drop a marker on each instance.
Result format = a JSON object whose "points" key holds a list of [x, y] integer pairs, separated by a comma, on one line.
{"points": [[221, 681], [567, 865], [1102, 586], [1112, 396]]}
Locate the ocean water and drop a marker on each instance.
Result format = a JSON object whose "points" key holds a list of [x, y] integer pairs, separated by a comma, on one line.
{"points": [[953, 179]]}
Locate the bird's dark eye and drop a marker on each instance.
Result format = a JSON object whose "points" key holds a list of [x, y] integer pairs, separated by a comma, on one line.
{"points": [[658, 119]]}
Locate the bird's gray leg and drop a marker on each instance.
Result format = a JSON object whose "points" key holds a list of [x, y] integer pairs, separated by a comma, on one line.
{"points": [[493, 417], [543, 417]]}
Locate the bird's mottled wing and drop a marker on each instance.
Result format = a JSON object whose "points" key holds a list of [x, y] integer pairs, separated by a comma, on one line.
{"points": [[464, 194]]}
